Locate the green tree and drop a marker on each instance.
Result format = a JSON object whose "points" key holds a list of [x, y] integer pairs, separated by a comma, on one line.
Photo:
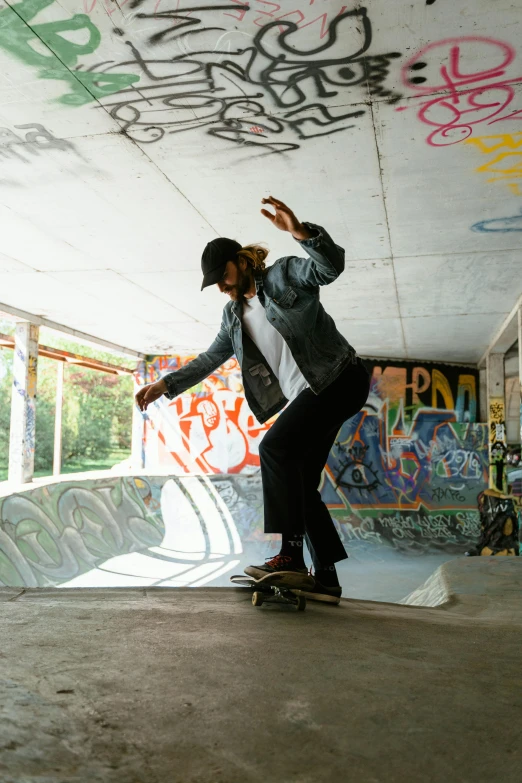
{"points": [[97, 411]]}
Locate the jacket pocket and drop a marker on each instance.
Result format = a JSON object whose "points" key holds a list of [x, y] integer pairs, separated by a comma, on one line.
{"points": [[287, 298]]}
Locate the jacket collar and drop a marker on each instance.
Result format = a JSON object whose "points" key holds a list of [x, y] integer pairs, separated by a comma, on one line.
{"points": [[259, 279]]}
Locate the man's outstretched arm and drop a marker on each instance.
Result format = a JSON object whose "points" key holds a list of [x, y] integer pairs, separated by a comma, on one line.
{"points": [[174, 383], [325, 260]]}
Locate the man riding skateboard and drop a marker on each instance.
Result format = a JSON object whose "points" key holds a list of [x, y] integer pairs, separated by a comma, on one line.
{"points": [[292, 357]]}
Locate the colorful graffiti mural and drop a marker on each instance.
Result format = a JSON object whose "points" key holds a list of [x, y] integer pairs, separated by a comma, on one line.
{"points": [[208, 430], [429, 385], [405, 472]]}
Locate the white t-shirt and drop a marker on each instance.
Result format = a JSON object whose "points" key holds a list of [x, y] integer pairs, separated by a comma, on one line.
{"points": [[274, 348]]}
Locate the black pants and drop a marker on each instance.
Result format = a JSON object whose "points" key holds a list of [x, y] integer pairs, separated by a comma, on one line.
{"points": [[293, 454]]}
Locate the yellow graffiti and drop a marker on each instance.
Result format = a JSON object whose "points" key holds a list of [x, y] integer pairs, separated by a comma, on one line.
{"points": [[497, 443], [440, 384], [489, 144], [496, 410], [508, 164], [508, 171]]}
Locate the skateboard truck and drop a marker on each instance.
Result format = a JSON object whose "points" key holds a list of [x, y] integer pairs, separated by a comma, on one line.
{"points": [[267, 593]]}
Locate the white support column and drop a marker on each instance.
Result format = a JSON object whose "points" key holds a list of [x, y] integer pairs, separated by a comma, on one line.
{"points": [[57, 454], [138, 437], [483, 395], [496, 421], [23, 403]]}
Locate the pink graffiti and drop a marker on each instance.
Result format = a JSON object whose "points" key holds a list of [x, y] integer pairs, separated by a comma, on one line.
{"points": [[269, 11], [90, 5], [462, 106]]}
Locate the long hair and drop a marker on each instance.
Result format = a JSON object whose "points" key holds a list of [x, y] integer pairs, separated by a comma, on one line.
{"points": [[255, 256]]}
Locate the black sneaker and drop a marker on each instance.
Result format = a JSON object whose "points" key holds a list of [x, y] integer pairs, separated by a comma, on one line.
{"points": [[281, 570], [319, 592]]}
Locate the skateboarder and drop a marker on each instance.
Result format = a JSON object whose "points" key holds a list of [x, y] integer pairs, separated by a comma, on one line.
{"points": [[292, 357]]}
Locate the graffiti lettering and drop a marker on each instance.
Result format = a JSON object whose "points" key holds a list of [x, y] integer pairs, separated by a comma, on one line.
{"points": [[461, 107], [434, 385], [209, 431], [37, 140], [24, 41], [233, 92], [458, 463], [448, 493]]}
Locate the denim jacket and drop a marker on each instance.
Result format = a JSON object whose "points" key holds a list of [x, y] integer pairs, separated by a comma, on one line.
{"points": [[289, 292]]}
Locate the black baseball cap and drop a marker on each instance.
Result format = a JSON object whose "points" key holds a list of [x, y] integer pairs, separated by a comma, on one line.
{"points": [[215, 257]]}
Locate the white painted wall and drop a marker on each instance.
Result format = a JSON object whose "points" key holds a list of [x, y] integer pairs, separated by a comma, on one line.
{"points": [[103, 231]]}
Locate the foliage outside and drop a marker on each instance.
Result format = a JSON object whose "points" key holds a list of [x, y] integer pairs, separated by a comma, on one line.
{"points": [[97, 412]]}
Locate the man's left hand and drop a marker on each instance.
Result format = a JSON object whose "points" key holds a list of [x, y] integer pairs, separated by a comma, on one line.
{"points": [[284, 219]]}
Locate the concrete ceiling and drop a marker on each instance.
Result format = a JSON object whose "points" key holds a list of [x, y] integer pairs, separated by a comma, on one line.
{"points": [[134, 132]]}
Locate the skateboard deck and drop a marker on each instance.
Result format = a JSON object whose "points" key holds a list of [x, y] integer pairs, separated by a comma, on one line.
{"points": [[266, 592]]}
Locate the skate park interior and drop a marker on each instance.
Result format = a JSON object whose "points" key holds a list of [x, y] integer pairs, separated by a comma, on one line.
{"points": [[133, 133]]}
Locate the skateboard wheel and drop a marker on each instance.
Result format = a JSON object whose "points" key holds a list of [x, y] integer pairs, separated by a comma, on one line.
{"points": [[301, 603], [257, 598]]}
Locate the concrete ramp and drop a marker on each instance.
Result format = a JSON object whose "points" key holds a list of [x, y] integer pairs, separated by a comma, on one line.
{"points": [[485, 586]]}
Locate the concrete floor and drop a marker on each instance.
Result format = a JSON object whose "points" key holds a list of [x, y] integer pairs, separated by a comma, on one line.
{"points": [[198, 686], [382, 574]]}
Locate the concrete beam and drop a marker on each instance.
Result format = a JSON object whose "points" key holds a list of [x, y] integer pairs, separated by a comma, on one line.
{"points": [[506, 335], [40, 321], [6, 341], [23, 404]]}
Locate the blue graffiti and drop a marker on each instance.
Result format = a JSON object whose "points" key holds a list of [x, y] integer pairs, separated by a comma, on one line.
{"points": [[503, 225]]}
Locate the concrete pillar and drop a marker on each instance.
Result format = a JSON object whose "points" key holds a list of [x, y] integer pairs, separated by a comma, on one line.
{"points": [[57, 453], [138, 437], [496, 421], [23, 403], [483, 395]]}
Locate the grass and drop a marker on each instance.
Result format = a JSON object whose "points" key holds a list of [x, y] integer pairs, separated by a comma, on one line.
{"points": [[79, 465]]}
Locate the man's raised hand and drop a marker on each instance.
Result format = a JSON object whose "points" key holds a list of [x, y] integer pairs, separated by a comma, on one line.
{"points": [[284, 218], [150, 393]]}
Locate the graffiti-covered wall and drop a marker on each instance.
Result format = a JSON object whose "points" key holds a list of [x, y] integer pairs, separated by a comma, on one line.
{"points": [[210, 430], [405, 471], [409, 467]]}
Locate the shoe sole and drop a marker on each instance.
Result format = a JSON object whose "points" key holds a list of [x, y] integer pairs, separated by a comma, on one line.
{"points": [[289, 579], [324, 597]]}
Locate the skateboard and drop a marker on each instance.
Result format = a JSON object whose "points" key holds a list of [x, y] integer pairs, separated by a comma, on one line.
{"points": [[267, 593]]}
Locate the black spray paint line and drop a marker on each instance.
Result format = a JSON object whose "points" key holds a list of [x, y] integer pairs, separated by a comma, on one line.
{"points": [[226, 91]]}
